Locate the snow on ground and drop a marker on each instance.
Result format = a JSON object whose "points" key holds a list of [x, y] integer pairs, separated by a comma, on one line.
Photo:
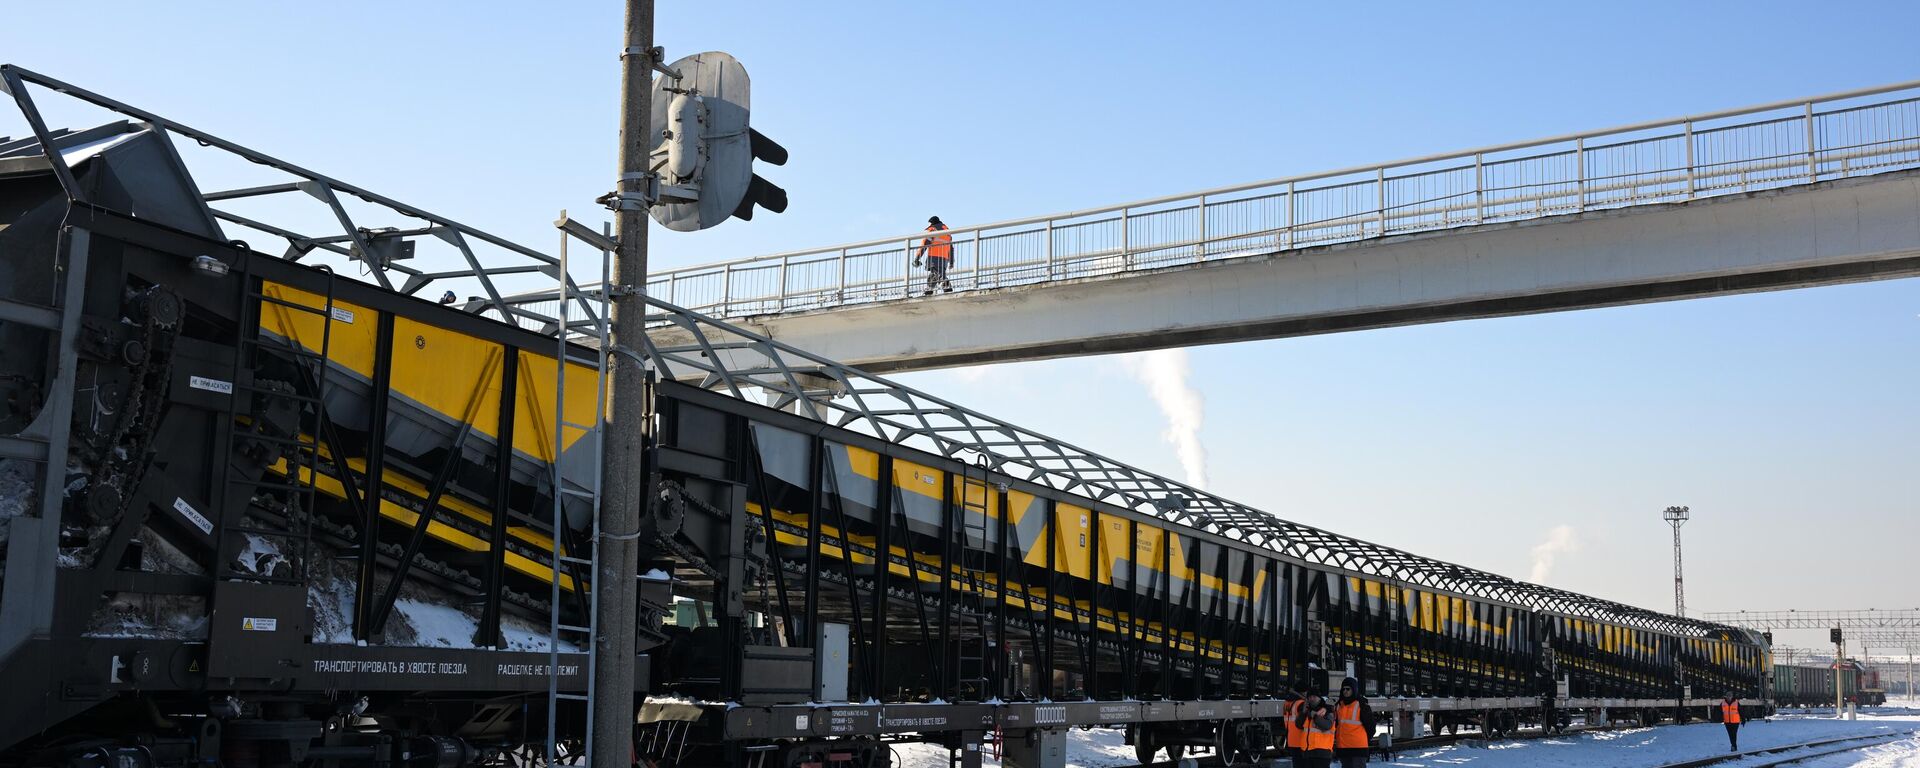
{"points": [[1628, 748], [1092, 748], [1639, 747]]}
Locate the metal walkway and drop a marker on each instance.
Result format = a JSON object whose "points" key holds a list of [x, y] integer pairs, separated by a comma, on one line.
{"points": [[1763, 147]]}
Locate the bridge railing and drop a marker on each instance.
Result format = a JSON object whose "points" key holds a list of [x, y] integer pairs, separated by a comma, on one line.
{"points": [[1743, 150]]}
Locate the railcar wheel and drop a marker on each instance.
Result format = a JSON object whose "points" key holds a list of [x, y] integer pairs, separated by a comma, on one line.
{"points": [[1223, 744], [1143, 747]]}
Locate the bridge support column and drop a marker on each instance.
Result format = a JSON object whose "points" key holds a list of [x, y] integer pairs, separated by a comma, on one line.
{"points": [[1034, 749]]}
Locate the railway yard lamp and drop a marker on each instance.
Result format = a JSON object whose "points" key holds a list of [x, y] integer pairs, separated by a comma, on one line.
{"points": [[1676, 517]]}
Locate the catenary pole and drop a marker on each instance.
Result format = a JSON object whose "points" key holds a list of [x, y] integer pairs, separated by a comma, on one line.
{"points": [[624, 450]]}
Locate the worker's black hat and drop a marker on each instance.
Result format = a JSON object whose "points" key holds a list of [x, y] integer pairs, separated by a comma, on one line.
{"points": [[935, 220]]}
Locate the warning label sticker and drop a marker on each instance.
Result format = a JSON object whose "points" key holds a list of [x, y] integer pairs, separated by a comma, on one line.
{"points": [[192, 515], [251, 624], [210, 385]]}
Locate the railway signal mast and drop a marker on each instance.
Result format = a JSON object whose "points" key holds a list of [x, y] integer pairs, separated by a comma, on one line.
{"points": [[703, 147], [1839, 638], [1676, 517]]}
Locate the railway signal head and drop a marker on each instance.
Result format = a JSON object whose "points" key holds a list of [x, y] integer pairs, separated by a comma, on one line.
{"points": [[703, 146], [1835, 636]]}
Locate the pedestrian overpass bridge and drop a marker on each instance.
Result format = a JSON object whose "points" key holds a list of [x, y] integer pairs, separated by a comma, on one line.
{"points": [[1802, 193]]}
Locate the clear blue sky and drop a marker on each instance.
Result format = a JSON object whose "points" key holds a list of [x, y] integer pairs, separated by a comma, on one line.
{"points": [[1786, 420]]}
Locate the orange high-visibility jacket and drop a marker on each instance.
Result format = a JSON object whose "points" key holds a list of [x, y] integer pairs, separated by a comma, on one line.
{"points": [[1296, 737], [939, 246], [1348, 731], [1730, 713], [1317, 739]]}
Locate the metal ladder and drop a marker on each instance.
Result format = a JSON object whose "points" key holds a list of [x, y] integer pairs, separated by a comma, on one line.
{"points": [[971, 657], [300, 451], [973, 515], [566, 560]]}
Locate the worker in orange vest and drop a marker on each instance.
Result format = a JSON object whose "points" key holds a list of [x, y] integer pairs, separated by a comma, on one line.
{"points": [[1730, 715], [1353, 726], [937, 250], [1317, 727], [1290, 717]]}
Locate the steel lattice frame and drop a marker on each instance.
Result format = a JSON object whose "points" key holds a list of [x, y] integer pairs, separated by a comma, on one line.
{"points": [[1908, 618], [730, 359]]}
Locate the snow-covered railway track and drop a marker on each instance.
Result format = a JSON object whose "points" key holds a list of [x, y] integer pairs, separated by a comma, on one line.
{"points": [[1791, 754]]}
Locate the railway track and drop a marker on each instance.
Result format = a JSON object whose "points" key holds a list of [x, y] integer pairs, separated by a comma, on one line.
{"points": [[1825, 746], [1388, 754]]}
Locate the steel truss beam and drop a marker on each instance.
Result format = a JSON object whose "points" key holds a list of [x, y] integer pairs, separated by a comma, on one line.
{"points": [[1870, 618]]}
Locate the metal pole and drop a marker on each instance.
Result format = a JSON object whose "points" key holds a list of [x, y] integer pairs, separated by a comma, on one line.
{"points": [[1580, 168], [1479, 189], [1049, 249], [1200, 253], [1676, 517], [1839, 692], [1287, 244], [1689, 159], [623, 465], [1380, 198], [1679, 581], [782, 305], [1813, 157]]}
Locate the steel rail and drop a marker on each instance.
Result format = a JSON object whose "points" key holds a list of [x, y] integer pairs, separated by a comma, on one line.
{"points": [[1873, 740]]}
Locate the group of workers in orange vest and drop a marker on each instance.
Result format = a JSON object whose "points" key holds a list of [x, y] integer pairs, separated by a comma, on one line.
{"points": [[1320, 732]]}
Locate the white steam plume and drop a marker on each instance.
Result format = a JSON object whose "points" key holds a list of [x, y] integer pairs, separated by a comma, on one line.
{"points": [[1559, 541], [1165, 372]]}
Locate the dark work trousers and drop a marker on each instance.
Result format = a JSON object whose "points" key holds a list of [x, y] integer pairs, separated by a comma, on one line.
{"points": [[1350, 758], [937, 274], [1314, 759], [1733, 737]]}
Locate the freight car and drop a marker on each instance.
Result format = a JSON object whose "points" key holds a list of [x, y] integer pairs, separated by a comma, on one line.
{"points": [[265, 515], [1812, 685]]}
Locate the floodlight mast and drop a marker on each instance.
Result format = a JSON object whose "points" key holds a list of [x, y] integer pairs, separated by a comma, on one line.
{"points": [[1676, 517]]}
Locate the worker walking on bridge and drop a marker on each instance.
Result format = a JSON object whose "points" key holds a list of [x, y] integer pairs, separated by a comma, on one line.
{"points": [[1730, 716], [937, 250], [1353, 726]]}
